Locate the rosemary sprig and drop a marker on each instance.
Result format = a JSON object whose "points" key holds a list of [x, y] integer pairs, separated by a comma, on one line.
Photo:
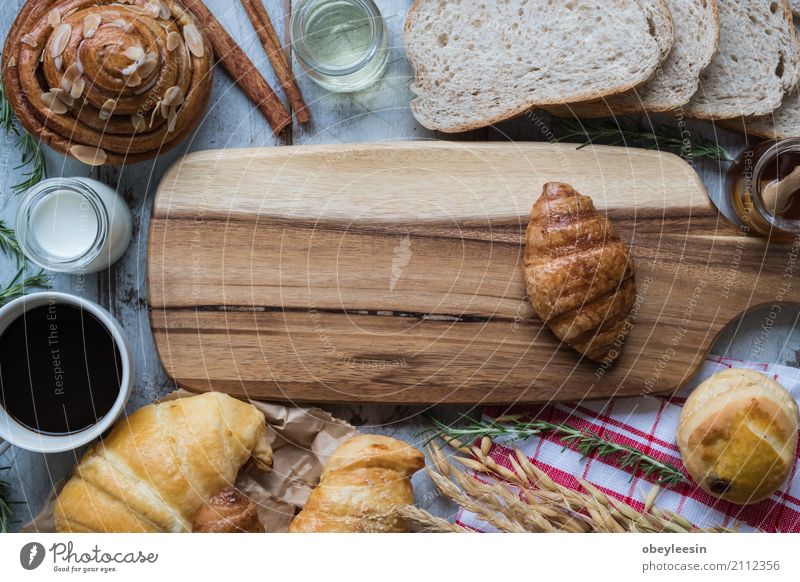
{"points": [[31, 153], [19, 285], [627, 131], [33, 156], [586, 443], [9, 244], [6, 515]]}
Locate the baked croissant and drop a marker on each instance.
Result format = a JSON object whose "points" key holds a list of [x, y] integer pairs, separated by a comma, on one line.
{"points": [[363, 481], [228, 512], [107, 81], [579, 274], [161, 465]]}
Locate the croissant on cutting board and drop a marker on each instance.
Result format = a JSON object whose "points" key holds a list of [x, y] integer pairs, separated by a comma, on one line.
{"points": [[363, 481], [163, 464], [579, 274]]}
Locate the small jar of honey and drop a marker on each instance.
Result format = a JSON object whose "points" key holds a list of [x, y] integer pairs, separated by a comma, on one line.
{"points": [[764, 185]]}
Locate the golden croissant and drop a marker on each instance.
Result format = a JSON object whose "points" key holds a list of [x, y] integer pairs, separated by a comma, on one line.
{"points": [[579, 274], [159, 467], [361, 484]]}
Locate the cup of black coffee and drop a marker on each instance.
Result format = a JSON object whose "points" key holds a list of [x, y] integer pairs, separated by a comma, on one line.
{"points": [[66, 372]]}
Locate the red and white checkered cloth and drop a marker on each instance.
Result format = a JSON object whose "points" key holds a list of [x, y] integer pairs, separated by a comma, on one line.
{"points": [[648, 424]]}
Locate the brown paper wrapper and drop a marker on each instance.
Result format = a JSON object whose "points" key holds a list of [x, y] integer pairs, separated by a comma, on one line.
{"points": [[302, 439]]}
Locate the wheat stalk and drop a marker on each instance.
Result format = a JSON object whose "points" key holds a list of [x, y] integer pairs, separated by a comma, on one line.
{"points": [[426, 521], [525, 499]]}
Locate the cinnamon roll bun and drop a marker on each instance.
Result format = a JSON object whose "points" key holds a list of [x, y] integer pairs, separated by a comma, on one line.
{"points": [[107, 82]]}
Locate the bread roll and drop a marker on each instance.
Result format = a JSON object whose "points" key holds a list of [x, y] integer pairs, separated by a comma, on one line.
{"points": [[738, 435], [363, 481], [108, 82], [161, 465], [228, 512]]}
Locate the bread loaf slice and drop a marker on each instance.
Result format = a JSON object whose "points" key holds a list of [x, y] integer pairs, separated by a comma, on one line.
{"points": [[696, 25], [755, 64], [478, 63], [783, 122]]}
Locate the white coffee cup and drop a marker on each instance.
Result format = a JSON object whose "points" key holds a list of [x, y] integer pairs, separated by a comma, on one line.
{"points": [[12, 432]]}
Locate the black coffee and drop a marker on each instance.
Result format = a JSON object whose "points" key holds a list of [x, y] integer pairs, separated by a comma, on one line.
{"points": [[60, 369]]}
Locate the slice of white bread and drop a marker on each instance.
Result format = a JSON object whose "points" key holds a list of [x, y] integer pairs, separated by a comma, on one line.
{"points": [[783, 122], [755, 64], [696, 25], [478, 63]]}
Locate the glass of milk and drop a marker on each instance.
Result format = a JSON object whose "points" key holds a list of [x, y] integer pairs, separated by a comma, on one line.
{"points": [[73, 225]]}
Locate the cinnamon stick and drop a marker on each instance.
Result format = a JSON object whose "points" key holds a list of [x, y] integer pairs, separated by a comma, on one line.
{"points": [[241, 68], [280, 62]]}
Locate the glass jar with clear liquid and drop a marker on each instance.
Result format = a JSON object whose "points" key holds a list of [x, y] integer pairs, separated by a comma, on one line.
{"points": [[341, 44]]}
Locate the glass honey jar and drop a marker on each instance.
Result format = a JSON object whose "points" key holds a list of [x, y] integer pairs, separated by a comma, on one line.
{"points": [[764, 187]]}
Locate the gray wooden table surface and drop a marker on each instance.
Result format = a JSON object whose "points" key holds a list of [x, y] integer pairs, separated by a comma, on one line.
{"points": [[380, 113]]}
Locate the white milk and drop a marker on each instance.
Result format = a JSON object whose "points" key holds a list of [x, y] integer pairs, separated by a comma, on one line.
{"points": [[64, 225], [73, 225]]}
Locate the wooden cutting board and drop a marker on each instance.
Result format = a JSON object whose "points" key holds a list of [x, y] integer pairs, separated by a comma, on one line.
{"points": [[392, 272]]}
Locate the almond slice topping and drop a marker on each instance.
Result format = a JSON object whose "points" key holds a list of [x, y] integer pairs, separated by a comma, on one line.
{"points": [[123, 24], [152, 8], [107, 110], [28, 40], [173, 97], [164, 12], [60, 39], [54, 17], [138, 121], [71, 75], [90, 25], [77, 88], [194, 40], [135, 53], [134, 80], [53, 103], [63, 96], [88, 155], [173, 41]]}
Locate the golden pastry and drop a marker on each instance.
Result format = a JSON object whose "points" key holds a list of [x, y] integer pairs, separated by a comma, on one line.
{"points": [[363, 481], [579, 274], [738, 435], [107, 81], [161, 465], [228, 512]]}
